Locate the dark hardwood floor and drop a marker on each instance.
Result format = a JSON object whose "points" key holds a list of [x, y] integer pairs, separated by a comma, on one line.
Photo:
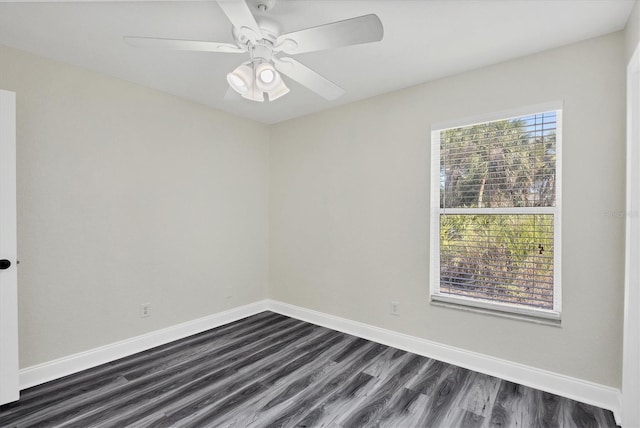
{"points": [[269, 370]]}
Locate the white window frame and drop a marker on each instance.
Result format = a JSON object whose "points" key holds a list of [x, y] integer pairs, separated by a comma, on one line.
{"points": [[434, 266]]}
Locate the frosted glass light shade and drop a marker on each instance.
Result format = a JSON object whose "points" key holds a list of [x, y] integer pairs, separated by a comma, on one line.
{"points": [[267, 77], [278, 91], [241, 79]]}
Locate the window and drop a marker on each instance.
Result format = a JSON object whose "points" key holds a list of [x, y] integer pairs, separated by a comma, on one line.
{"points": [[495, 203]]}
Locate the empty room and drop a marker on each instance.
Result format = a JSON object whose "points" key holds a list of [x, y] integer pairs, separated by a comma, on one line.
{"points": [[320, 213]]}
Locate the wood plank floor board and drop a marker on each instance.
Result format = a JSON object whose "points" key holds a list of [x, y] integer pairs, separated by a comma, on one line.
{"points": [[66, 388], [288, 380], [342, 374], [443, 397], [402, 409], [346, 390], [481, 396], [283, 393], [472, 401], [350, 396], [206, 347], [269, 367], [264, 378], [426, 379], [382, 396], [206, 380], [158, 382], [384, 366], [548, 409], [269, 370], [510, 408]]}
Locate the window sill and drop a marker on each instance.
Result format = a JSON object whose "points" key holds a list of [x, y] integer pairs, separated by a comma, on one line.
{"points": [[543, 318]]}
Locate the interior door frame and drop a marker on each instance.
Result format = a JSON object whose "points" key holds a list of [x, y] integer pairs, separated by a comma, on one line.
{"points": [[631, 349], [9, 379]]}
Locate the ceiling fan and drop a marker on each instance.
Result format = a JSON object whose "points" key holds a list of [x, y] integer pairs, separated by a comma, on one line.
{"points": [[261, 38]]}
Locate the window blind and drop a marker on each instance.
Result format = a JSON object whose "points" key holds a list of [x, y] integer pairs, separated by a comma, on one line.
{"points": [[508, 163], [501, 258], [497, 211]]}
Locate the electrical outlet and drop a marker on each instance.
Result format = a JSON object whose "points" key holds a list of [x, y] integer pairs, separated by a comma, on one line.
{"points": [[395, 308], [145, 310]]}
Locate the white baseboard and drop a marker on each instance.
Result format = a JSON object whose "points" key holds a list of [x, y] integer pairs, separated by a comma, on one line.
{"points": [[58, 368], [566, 386], [576, 389]]}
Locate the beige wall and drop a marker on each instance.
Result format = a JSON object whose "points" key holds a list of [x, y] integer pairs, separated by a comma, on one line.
{"points": [[127, 195], [632, 30], [349, 209]]}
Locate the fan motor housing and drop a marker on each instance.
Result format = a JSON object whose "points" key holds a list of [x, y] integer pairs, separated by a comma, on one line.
{"points": [[269, 28], [260, 51]]}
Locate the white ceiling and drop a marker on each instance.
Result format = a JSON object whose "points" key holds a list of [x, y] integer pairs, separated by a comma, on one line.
{"points": [[423, 40]]}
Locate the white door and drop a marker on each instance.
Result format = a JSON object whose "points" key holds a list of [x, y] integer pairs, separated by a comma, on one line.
{"points": [[9, 390]]}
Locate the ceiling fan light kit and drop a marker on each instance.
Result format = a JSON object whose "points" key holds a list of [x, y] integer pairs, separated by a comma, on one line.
{"points": [[263, 73], [252, 81]]}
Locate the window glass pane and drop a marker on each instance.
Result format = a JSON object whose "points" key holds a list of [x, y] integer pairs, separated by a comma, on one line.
{"points": [[500, 258], [506, 163]]}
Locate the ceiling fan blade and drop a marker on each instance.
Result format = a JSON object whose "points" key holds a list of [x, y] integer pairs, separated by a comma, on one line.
{"points": [[241, 17], [183, 45], [307, 77], [354, 31]]}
